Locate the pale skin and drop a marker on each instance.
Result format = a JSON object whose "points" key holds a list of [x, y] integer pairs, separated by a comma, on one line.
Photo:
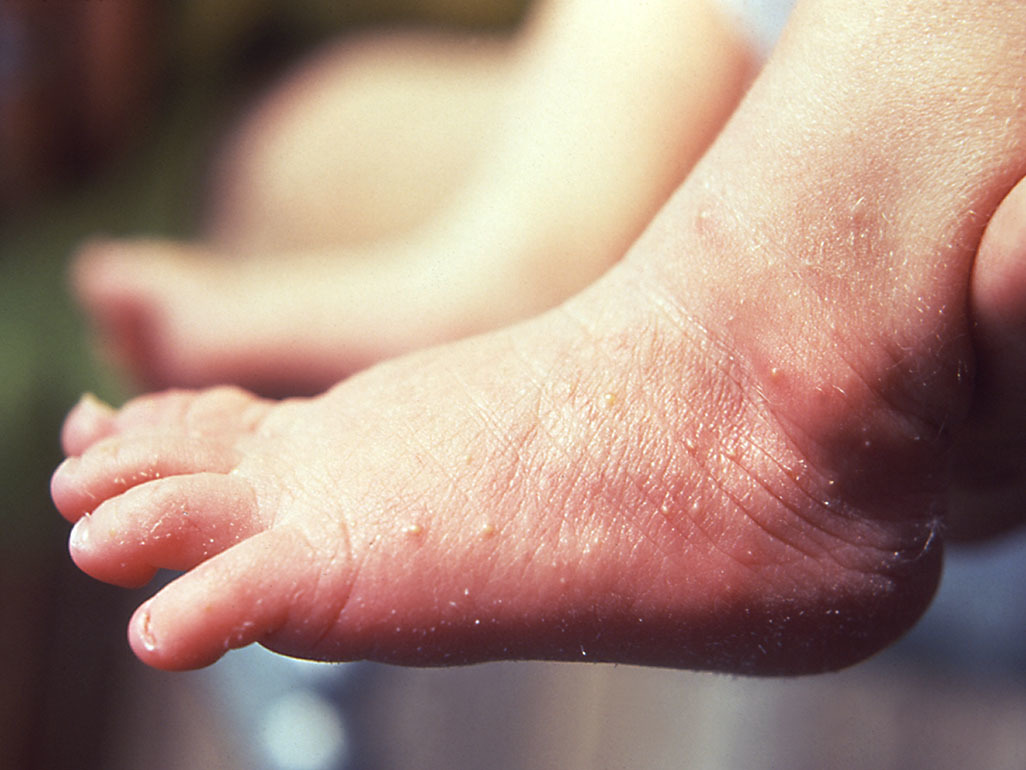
{"points": [[729, 453], [363, 141], [400, 193]]}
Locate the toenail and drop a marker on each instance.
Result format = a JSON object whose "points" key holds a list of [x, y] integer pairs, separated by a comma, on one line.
{"points": [[93, 404], [146, 635], [67, 466], [79, 538]]}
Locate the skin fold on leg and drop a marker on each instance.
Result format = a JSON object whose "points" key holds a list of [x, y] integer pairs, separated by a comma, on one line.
{"points": [[988, 491]]}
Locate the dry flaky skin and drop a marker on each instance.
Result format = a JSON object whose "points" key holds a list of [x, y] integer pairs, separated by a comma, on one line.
{"points": [[559, 520], [730, 453]]}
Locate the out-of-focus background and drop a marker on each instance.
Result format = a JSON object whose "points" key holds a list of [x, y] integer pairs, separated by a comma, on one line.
{"points": [[111, 114]]}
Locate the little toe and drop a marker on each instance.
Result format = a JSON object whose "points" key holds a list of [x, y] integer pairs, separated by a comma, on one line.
{"points": [[228, 602], [89, 421], [152, 303], [119, 289], [219, 411], [165, 524], [107, 274], [116, 464]]}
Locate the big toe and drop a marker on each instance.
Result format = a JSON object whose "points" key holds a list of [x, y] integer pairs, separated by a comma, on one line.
{"points": [[232, 600], [989, 474], [106, 273], [128, 289]]}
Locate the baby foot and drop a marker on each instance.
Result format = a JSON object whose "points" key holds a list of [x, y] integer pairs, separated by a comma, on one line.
{"points": [[171, 313], [536, 493], [730, 453], [283, 303], [989, 466]]}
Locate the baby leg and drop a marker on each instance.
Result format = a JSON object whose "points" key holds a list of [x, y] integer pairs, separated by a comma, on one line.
{"points": [[604, 108], [366, 140], [729, 453]]}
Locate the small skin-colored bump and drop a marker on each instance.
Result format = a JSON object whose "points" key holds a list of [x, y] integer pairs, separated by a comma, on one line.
{"points": [[488, 530], [609, 399], [413, 530]]}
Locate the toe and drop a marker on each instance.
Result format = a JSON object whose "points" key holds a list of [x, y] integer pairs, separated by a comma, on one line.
{"points": [[227, 602], [137, 294], [88, 422], [116, 464], [221, 411], [117, 291], [170, 523]]}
